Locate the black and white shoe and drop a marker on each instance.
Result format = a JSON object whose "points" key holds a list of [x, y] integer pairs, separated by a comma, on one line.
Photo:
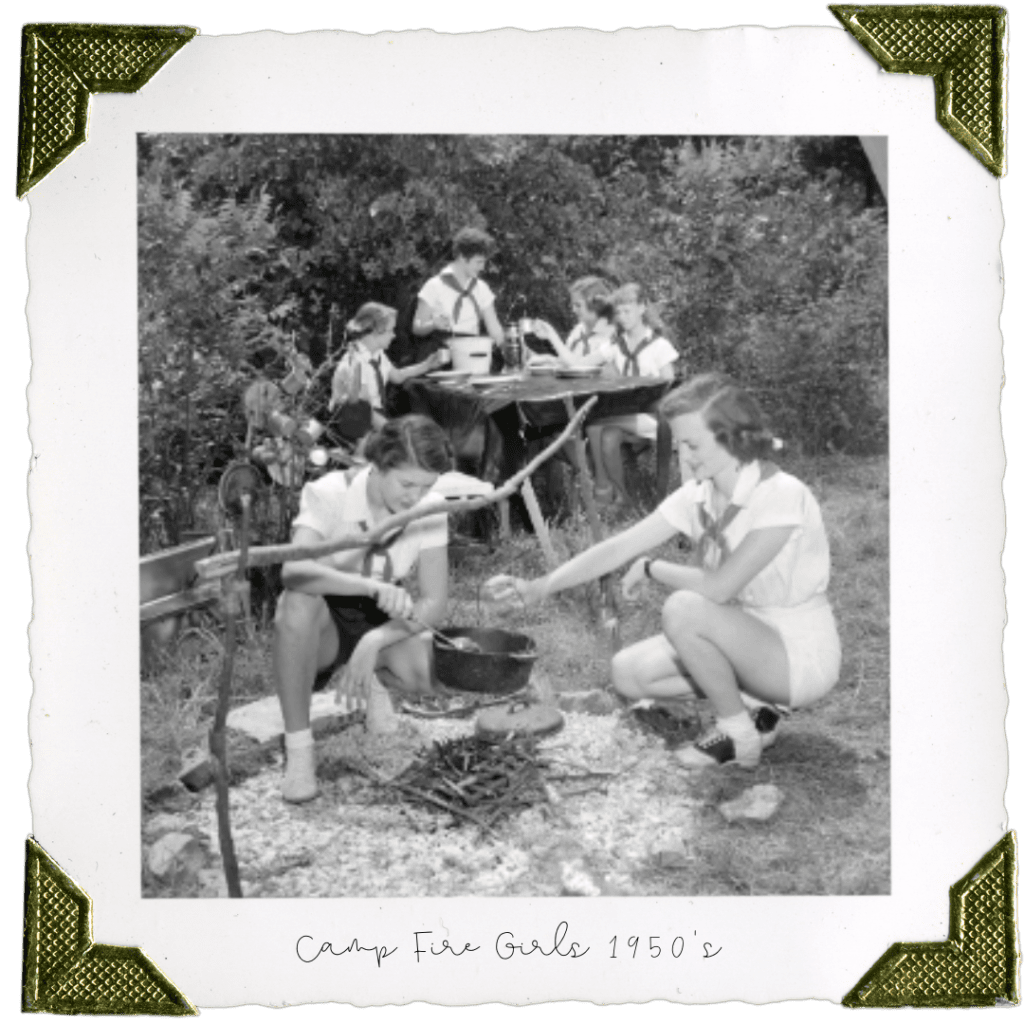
{"points": [[766, 721], [714, 749]]}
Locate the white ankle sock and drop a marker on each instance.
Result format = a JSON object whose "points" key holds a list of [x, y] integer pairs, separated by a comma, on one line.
{"points": [[299, 782], [298, 740], [738, 726]]}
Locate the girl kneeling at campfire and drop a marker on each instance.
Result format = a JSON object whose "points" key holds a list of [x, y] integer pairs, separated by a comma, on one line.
{"points": [[350, 608], [748, 626]]}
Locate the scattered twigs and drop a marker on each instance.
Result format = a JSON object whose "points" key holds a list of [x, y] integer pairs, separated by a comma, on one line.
{"points": [[227, 561], [476, 779]]}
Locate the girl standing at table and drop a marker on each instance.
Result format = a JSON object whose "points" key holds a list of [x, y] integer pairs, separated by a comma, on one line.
{"points": [[639, 350], [749, 625], [364, 371], [457, 301], [350, 609], [591, 341]]}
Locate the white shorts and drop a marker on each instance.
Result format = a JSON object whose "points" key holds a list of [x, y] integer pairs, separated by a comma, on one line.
{"points": [[641, 424], [809, 634]]}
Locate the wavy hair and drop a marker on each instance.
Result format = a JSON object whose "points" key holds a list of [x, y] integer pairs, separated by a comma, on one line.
{"points": [[729, 412], [410, 441]]}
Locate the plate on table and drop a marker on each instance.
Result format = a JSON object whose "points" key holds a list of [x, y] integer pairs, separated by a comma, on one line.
{"points": [[543, 369], [493, 378], [450, 376], [578, 372]]}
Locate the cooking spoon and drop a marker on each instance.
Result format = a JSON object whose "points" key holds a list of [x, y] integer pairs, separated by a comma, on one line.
{"points": [[459, 643]]}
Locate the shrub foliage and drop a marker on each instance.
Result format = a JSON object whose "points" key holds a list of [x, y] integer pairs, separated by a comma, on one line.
{"points": [[767, 257]]}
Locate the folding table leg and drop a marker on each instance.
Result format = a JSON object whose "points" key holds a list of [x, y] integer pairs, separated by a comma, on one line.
{"points": [[540, 528], [610, 611], [504, 519]]}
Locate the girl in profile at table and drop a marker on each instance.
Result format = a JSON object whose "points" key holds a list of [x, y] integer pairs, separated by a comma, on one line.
{"points": [[639, 349], [591, 341], [457, 301], [364, 371], [748, 625]]}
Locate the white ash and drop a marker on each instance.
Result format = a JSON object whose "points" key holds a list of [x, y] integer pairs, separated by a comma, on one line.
{"points": [[359, 839]]}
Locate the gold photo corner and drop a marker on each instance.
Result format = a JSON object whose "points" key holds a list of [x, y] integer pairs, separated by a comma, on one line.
{"points": [[64, 971], [976, 966], [962, 47], [62, 65]]}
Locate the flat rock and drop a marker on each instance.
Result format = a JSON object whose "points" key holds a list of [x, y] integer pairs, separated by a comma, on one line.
{"points": [[758, 803], [670, 849], [175, 853], [262, 718], [577, 881]]}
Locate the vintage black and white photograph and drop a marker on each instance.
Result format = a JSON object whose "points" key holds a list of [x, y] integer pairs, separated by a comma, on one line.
{"points": [[513, 515], [442, 513]]}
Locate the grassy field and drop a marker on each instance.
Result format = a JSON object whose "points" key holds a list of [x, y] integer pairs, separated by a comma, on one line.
{"points": [[831, 835]]}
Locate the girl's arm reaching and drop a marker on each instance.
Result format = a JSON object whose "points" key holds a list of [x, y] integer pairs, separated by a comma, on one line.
{"points": [[591, 564]]}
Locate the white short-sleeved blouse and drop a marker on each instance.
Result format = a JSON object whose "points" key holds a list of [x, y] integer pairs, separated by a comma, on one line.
{"points": [[652, 359], [358, 355], [440, 296], [581, 342], [337, 507], [800, 571]]}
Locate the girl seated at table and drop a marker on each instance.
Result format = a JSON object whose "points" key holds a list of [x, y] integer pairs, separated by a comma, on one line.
{"points": [[639, 349], [350, 608], [364, 371], [748, 625], [591, 341]]}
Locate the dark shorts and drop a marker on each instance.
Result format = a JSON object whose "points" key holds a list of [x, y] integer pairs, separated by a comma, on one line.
{"points": [[353, 617]]}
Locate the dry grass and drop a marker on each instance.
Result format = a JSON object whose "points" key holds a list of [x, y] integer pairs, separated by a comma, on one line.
{"points": [[831, 835]]}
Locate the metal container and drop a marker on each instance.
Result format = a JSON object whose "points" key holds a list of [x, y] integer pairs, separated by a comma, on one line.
{"points": [[502, 665]]}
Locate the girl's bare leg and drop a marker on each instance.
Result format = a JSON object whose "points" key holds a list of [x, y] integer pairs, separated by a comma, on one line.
{"points": [[612, 439], [594, 436], [649, 668], [408, 665], [723, 649], [305, 640]]}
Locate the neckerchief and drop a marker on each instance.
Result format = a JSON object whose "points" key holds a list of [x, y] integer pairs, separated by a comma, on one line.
{"points": [[584, 341], [463, 293], [375, 363], [378, 556], [713, 530], [632, 365]]}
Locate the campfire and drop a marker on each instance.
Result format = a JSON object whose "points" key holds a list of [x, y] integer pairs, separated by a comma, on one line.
{"points": [[478, 780]]}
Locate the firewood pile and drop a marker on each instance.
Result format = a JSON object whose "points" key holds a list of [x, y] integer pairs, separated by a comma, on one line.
{"points": [[477, 780]]}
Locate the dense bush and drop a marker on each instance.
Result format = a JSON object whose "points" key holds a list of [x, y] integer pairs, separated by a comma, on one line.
{"points": [[768, 257]]}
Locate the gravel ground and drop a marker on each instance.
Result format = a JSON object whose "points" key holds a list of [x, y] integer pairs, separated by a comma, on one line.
{"points": [[359, 839]]}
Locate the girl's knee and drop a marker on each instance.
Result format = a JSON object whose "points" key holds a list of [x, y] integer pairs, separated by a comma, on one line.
{"points": [[626, 680], [683, 610], [611, 439], [298, 612]]}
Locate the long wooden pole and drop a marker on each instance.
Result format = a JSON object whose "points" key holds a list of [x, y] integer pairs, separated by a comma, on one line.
{"points": [[227, 562], [232, 590]]}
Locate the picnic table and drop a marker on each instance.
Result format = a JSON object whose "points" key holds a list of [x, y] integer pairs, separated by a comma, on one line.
{"points": [[491, 426]]}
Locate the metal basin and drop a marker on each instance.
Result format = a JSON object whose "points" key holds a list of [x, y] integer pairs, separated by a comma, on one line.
{"points": [[502, 665]]}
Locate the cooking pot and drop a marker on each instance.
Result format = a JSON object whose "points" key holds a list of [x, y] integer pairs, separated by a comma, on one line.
{"points": [[502, 665]]}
